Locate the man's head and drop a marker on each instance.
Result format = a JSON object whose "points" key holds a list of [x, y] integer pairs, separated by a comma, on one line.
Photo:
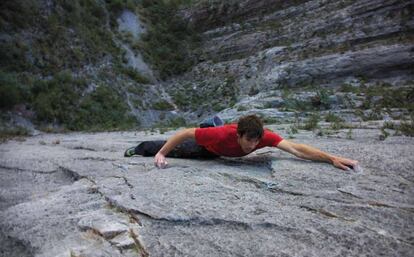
{"points": [[249, 132]]}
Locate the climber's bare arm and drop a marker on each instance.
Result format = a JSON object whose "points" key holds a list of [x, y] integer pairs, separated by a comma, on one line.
{"points": [[160, 160], [310, 153]]}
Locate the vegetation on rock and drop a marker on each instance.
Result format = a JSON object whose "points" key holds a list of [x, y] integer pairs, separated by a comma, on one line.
{"points": [[169, 41]]}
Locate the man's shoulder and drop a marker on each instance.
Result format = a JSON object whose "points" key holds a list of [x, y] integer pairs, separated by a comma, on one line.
{"points": [[220, 130], [212, 135], [271, 138], [224, 132], [230, 128]]}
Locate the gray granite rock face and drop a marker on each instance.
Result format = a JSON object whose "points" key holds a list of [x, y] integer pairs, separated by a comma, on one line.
{"points": [[130, 24], [76, 195], [265, 46]]}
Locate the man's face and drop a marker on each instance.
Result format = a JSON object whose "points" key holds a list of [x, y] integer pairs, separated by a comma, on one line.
{"points": [[247, 144]]}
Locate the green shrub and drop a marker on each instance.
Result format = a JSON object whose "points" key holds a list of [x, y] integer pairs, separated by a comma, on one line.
{"points": [[181, 99], [407, 127], [172, 123], [116, 6], [13, 55], [75, 34], [10, 90], [331, 117], [375, 114], [312, 122], [293, 129], [253, 91], [388, 97], [384, 134], [137, 103], [349, 88], [268, 105], [321, 100], [338, 125], [102, 110], [270, 120], [389, 125], [19, 14], [162, 106], [177, 122], [56, 100], [397, 98], [296, 105], [349, 134], [168, 41], [136, 89], [9, 133], [133, 74], [241, 108], [60, 100], [336, 121], [215, 95], [218, 107]]}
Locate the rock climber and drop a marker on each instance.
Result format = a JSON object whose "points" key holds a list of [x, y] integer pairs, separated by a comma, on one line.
{"points": [[214, 139]]}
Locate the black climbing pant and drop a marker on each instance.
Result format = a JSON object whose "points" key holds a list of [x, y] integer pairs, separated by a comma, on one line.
{"points": [[187, 149]]}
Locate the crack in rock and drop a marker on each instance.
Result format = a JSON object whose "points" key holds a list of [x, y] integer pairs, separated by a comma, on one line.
{"points": [[200, 221], [270, 186], [27, 170], [381, 204], [120, 166], [82, 148], [348, 193], [258, 161], [89, 158], [138, 245], [374, 203], [325, 213], [115, 238], [125, 180], [114, 204], [107, 230], [147, 166], [73, 174], [134, 219], [384, 233]]}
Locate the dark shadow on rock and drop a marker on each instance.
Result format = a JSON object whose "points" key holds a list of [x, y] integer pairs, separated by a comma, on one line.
{"points": [[249, 161], [12, 247], [30, 183]]}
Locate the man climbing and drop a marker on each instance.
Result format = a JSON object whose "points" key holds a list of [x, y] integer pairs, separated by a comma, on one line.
{"points": [[232, 140]]}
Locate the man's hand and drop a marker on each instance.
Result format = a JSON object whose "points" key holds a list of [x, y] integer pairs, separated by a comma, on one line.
{"points": [[160, 161], [343, 163]]}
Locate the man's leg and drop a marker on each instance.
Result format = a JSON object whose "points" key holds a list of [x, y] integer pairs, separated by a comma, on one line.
{"points": [[187, 149], [149, 148]]}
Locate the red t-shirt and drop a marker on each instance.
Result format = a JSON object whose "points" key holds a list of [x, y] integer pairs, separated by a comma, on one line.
{"points": [[223, 140]]}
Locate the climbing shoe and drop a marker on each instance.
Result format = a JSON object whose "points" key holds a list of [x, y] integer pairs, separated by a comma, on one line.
{"points": [[129, 152]]}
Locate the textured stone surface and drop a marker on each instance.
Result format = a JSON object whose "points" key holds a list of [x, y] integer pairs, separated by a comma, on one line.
{"points": [[275, 45], [80, 197]]}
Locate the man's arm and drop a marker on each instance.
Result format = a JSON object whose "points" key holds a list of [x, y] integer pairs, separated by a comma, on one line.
{"points": [[175, 140], [310, 153]]}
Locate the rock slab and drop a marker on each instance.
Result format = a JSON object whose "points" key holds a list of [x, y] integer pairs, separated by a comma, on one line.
{"points": [[76, 195]]}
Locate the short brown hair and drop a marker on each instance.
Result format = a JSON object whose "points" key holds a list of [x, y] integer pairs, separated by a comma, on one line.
{"points": [[251, 126]]}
